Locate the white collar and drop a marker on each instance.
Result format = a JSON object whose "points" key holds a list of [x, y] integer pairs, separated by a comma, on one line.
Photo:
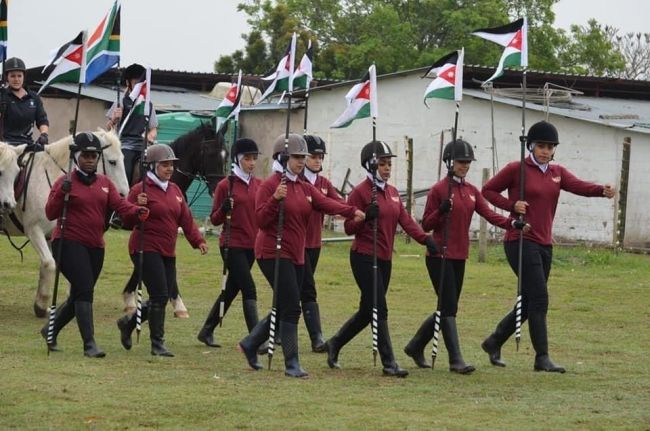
{"points": [[542, 167], [381, 184], [277, 167], [157, 181], [311, 176], [241, 174]]}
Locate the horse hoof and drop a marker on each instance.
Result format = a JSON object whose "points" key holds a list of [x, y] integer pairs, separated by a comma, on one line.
{"points": [[39, 312]]}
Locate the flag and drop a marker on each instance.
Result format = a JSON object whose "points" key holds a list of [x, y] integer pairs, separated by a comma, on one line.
{"points": [[447, 74], [514, 37], [282, 76], [67, 64], [141, 97], [3, 30], [231, 104], [362, 100], [303, 75], [103, 46]]}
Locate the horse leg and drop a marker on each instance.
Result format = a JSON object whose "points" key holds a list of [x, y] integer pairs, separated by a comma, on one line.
{"points": [[46, 270]]}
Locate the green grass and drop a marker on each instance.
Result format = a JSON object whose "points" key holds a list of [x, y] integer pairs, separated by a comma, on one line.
{"points": [[598, 325]]}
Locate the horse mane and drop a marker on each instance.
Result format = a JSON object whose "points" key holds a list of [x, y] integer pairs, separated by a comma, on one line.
{"points": [[109, 137], [5, 152], [200, 133]]}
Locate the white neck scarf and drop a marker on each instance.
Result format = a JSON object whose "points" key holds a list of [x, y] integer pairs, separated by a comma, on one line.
{"points": [[311, 176], [162, 184], [277, 167], [542, 167], [381, 184], [241, 174]]}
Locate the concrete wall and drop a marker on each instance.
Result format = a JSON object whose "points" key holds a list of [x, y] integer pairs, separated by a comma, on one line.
{"points": [[60, 112]]}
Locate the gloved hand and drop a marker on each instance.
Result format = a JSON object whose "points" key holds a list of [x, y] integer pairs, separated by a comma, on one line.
{"points": [[43, 140], [431, 245], [143, 214], [66, 186], [34, 147], [226, 205], [445, 206], [372, 212], [519, 225]]}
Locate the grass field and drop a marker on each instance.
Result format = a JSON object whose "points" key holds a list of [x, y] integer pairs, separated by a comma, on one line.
{"points": [[598, 323]]}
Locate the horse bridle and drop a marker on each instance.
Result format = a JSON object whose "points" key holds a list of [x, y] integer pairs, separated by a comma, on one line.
{"points": [[202, 173]]}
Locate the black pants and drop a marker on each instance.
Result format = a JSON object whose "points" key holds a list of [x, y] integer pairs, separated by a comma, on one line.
{"points": [[308, 293], [132, 284], [452, 284], [131, 158], [81, 266], [536, 268], [289, 286], [158, 275], [362, 270], [240, 261]]}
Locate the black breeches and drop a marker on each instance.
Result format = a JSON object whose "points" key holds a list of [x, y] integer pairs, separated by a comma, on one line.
{"points": [[362, 270], [289, 286], [158, 275], [536, 267], [452, 284], [308, 293], [240, 261], [81, 266]]}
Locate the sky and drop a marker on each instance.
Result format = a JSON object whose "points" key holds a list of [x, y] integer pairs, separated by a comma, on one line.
{"points": [[189, 35]]}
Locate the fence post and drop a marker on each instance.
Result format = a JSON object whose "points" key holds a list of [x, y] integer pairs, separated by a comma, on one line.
{"points": [[622, 194]]}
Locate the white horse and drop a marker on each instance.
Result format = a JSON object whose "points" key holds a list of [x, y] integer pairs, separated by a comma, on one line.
{"points": [[8, 173], [48, 166]]}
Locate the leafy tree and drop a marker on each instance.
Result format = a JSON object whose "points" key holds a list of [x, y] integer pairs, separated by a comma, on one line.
{"points": [[591, 51], [635, 49]]}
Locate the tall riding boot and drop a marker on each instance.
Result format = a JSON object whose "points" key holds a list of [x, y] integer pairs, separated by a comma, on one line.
{"points": [[127, 323], [64, 314], [206, 334], [539, 338], [248, 346], [289, 336], [492, 344], [264, 347], [311, 313], [83, 311], [391, 368], [157, 330], [415, 347], [348, 331], [450, 334]]}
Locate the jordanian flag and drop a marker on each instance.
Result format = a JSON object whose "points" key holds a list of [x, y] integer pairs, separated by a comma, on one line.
{"points": [[514, 37], [103, 46], [282, 76], [447, 74], [140, 95], [3, 30], [67, 64], [231, 104], [303, 75], [362, 100]]}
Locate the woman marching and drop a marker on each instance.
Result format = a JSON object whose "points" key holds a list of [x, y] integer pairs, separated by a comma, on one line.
{"points": [[543, 183], [91, 196], [465, 200], [389, 212], [234, 198], [168, 212], [299, 200]]}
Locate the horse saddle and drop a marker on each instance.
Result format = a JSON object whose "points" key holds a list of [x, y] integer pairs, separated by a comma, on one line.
{"points": [[20, 183]]}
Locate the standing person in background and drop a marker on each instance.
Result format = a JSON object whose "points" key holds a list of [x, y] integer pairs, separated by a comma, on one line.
{"points": [[458, 210], [235, 196], [543, 183]]}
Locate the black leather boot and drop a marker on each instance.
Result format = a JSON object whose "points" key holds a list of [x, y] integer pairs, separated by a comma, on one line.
{"points": [[83, 311], [64, 314], [450, 334], [492, 344], [311, 314], [539, 338], [206, 334], [415, 347], [250, 313], [264, 347], [157, 330], [127, 323], [248, 346], [391, 368], [348, 331], [289, 336]]}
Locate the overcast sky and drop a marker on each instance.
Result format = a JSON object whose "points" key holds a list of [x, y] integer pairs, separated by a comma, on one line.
{"points": [[191, 34]]}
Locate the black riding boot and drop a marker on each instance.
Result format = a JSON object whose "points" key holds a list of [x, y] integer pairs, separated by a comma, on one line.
{"points": [[450, 334], [250, 313], [83, 311], [289, 336], [391, 368], [348, 331], [64, 314], [311, 314], [415, 347], [157, 330], [539, 338], [127, 323], [206, 334], [248, 346], [492, 344]]}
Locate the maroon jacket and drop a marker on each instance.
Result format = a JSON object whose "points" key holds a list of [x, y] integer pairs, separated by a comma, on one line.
{"points": [[315, 225], [542, 193], [243, 226], [391, 212], [167, 211], [302, 198], [87, 209], [466, 200]]}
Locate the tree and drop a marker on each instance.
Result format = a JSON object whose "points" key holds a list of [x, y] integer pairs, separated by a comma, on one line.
{"points": [[635, 49]]}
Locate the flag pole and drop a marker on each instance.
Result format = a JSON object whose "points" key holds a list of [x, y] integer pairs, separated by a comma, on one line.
{"points": [[373, 201], [522, 185]]}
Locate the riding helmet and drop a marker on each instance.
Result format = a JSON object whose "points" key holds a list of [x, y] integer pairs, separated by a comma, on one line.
{"points": [[243, 146], [458, 150], [87, 142], [13, 64], [542, 132], [315, 145], [296, 146], [134, 71], [377, 148], [157, 153]]}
